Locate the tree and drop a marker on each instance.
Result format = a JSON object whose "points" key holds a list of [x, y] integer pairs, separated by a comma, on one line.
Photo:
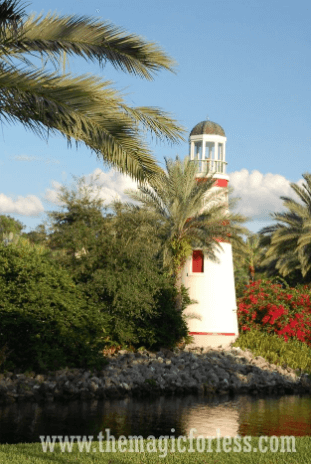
{"points": [[113, 258], [45, 320], [38, 236], [83, 108], [290, 239], [247, 262], [78, 227], [9, 225], [189, 215], [248, 259]]}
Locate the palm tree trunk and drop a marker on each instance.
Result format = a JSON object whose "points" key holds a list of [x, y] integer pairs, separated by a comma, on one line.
{"points": [[252, 273], [178, 284]]}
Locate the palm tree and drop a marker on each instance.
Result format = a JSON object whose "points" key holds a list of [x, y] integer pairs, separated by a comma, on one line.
{"points": [[290, 239], [189, 215], [84, 109], [250, 257]]}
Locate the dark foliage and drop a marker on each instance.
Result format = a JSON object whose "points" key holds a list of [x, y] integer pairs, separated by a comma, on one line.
{"points": [[45, 320]]}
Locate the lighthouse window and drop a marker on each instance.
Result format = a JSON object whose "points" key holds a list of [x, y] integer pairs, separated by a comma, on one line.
{"points": [[198, 150], [209, 150], [220, 152], [197, 261]]}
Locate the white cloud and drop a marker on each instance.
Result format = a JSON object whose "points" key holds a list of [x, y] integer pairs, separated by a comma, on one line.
{"points": [[51, 194], [109, 186], [25, 206], [260, 193]]}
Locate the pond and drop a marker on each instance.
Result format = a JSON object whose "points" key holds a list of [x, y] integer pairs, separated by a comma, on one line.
{"points": [[231, 415]]}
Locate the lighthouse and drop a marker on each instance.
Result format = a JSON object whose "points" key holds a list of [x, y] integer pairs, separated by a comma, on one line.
{"points": [[211, 284]]}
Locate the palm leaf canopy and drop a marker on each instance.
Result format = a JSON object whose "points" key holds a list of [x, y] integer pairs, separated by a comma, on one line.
{"points": [[190, 214], [290, 238], [84, 109]]}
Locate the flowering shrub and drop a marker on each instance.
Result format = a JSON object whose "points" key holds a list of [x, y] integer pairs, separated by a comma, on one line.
{"points": [[267, 307]]}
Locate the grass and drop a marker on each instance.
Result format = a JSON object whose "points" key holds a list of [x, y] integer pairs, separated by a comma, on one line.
{"points": [[275, 350], [33, 453]]}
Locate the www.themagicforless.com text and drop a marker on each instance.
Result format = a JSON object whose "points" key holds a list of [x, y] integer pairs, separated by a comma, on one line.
{"points": [[167, 444]]}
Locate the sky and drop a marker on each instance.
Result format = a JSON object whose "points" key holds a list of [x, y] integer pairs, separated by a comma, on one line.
{"points": [[244, 64]]}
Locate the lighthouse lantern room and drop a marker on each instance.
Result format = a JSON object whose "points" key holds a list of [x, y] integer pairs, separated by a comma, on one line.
{"points": [[211, 284]]}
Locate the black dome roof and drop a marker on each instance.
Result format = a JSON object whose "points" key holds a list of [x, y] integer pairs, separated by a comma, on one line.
{"points": [[207, 127]]}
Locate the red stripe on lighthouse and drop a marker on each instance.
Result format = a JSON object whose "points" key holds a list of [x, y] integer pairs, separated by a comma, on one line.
{"points": [[211, 333], [218, 182], [221, 183]]}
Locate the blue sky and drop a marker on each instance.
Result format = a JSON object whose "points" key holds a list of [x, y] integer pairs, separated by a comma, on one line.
{"points": [[243, 64]]}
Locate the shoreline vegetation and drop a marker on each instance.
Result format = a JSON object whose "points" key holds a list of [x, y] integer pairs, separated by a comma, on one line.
{"points": [[238, 369]]}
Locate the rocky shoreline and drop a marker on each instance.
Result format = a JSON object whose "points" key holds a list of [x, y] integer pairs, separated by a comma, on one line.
{"points": [[208, 372]]}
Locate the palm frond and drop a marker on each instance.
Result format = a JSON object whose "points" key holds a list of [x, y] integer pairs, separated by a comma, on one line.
{"points": [[158, 122], [191, 213], [91, 39], [83, 109], [11, 13]]}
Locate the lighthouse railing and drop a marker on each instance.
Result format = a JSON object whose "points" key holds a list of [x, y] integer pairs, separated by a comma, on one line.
{"points": [[211, 166]]}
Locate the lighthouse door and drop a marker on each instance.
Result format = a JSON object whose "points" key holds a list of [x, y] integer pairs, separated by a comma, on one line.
{"points": [[197, 261]]}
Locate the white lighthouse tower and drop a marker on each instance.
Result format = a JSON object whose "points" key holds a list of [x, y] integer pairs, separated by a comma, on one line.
{"points": [[211, 284]]}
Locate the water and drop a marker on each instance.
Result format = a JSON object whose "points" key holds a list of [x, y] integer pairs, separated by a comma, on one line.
{"points": [[243, 415]]}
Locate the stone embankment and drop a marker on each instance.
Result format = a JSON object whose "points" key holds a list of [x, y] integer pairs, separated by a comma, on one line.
{"points": [[166, 372]]}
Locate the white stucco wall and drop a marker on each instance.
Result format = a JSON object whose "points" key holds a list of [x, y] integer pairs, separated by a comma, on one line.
{"points": [[214, 290]]}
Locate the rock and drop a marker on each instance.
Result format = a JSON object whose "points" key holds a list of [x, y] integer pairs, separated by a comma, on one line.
{"points": [[236, 349], [213, 380], [223, 385], [182, 371], [93, 386], [221, 373], [95, 380], [3, 388]]}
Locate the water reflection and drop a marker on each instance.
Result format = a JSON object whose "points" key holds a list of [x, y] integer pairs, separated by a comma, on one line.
{"points": [[211, 419], [243, 415], [288, 415]]}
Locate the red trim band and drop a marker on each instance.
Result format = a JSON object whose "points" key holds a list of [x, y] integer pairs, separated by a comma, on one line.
{"points": [[210, 333], [218, 182], [221, 183]]}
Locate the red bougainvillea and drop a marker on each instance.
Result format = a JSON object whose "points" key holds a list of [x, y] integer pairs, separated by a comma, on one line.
{"points": [[268, 307]]}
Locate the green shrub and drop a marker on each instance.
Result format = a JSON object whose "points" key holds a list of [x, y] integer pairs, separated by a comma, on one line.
{"points": [[138, 299], [45, 320], [275, 350], [119, 271]]}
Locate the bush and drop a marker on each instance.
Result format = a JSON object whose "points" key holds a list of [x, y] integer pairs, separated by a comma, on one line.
{"points": [[138, 299], [276, 308], [119, 271], [294, 354], [45, 321]]}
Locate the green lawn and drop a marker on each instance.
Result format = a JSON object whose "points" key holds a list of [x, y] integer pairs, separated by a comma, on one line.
{"points": [[33, 453]]}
